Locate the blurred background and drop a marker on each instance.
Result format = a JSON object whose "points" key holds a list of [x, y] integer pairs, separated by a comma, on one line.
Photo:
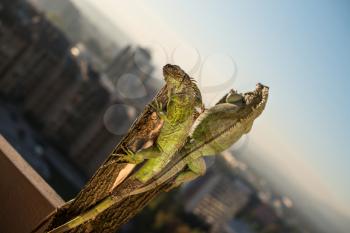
{"points": [[74, 74]]}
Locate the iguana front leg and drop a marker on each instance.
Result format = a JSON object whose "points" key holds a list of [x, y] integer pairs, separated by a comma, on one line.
{"points": [[194, 169], [140, 156], [147, 153]]}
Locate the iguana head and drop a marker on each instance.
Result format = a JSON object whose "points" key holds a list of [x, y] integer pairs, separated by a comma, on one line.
{"points": [[180, 82], [174, 74], [257, 99], [252, 98], [234, 113], [253, 104], [176, 78]]}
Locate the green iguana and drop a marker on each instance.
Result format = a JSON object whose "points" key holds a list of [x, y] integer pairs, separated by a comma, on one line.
{"points": [[183, 100], [214, 131], [162, 134]]}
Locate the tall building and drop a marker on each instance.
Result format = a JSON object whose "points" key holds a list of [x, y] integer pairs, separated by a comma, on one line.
{"points": [[32, 68], [216, 198], [11, 47], [131, 74], [74, 102], [53, 90], [94, 145], [31, 49], [61, 94], [131, 60]]}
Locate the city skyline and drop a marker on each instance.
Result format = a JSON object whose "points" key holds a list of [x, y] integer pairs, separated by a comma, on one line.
{"points": [[114, 51]]}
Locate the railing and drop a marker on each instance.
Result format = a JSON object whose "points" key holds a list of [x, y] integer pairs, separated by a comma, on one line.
{"points": [[25, 198]]}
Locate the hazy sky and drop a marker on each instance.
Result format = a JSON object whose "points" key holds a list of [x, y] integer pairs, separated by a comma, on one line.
{"points": [[300, 49]]}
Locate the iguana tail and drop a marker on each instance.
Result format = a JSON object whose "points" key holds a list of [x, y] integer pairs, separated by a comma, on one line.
{"points": [[88, 215]]}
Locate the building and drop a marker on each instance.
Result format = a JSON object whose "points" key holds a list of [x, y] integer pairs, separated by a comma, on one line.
{"points": [[131, 74], [11, 47], [61, 95], [94, 145], [31, 48], [131, 60], [216, 198], [67, 104]]}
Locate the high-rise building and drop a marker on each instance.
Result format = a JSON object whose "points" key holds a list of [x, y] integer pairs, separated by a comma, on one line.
{"points": [[11, 47], [31, 49], [131, 75], [136, 61], [218, 199], [62, 95], [82, 100], [94, 145]]}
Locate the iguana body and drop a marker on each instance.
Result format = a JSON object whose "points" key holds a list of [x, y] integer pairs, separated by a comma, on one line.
{"points": [[214, 131], [183, 98]]}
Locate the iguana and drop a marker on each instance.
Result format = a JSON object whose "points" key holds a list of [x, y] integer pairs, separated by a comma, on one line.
{"points": [[162, 134], [184, 98], [214, 131]]}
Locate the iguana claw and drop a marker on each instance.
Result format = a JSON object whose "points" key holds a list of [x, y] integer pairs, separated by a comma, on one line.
{"points": [[130, 156], [158, 108]]}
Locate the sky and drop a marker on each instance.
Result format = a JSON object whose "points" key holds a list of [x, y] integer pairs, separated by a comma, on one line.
{"points": [[300, 49]]}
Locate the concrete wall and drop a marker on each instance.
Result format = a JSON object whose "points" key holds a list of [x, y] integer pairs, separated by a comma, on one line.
{"points": [[25, 198]]}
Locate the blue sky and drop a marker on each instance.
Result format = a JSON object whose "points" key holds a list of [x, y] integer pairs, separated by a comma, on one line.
{"points": [[300, 49]]}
